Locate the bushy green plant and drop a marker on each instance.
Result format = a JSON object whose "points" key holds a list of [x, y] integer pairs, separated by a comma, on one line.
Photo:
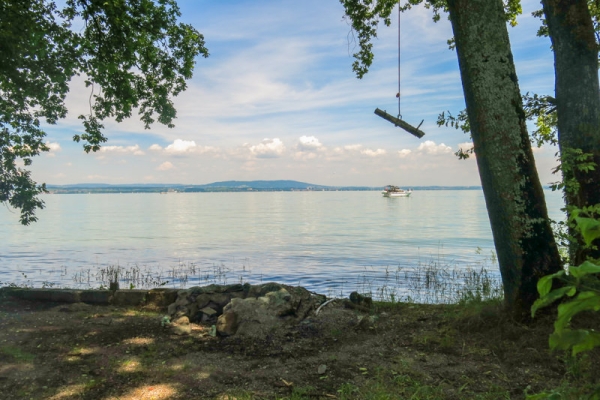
{"points": [[581, 285]]}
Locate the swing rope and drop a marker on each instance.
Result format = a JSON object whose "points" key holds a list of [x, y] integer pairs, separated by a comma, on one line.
{"points": [[397, 121], [399, 93]]}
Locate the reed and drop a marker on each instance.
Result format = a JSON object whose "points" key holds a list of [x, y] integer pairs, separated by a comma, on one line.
{"points": [[432, 282]]}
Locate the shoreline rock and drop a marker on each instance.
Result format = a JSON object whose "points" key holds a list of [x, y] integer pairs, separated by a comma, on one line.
{"points": [[246, 310]]}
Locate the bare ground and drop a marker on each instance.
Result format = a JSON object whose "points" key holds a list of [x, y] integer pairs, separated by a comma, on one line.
{"points": [[78, 351]]}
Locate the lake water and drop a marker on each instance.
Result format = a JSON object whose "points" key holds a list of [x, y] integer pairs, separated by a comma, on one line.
{"points": [[329, 242]]}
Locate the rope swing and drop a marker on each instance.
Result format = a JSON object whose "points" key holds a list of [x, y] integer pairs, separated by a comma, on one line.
{"points": [[397, 121]]}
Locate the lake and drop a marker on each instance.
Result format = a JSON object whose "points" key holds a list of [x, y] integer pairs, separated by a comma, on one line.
{"points": [[329, 242]]}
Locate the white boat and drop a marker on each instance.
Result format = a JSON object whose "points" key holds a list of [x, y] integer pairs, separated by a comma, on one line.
{"points": [[395, 191]]}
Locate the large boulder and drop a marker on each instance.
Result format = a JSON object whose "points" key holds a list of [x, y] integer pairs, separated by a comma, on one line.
{"points": [[258, 317]]}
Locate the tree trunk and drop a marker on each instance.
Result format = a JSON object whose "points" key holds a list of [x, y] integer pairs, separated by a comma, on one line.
{"points": [[577, 103], [512, 190]]}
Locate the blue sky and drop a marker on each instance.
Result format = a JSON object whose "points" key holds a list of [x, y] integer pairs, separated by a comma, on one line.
{"points": [[277, 99]]}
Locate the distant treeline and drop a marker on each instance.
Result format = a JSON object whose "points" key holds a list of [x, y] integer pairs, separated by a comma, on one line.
{"points": [[227, 186]]}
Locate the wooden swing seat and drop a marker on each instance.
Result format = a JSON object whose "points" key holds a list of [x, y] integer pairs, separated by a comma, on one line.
{"points": [[400, 123]]}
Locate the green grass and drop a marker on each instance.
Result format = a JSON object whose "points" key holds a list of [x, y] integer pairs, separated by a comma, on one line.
{"points": [[17, 354]]}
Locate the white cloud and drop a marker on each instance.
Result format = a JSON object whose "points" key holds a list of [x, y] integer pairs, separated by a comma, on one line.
{"points": [[309, 143], [135, 150], [268, 148], [373, 153], [54, 147], [465, 146], [429, 147], [404, 153], [304, 155], [353, 147], [181, 146], [165, 166]]}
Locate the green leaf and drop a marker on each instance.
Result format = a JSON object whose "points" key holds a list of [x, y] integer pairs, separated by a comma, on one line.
{"points": [[545, 284], [590, 229], [552, 297], [585, 301], [584, 269], [578, 340]]}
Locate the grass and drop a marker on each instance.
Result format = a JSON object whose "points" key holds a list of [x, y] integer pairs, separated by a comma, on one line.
{"points": [[16, 354]]}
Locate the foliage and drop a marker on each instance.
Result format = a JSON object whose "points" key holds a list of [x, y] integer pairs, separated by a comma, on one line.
{"points": [[582, 289], [365, 15], [132, 55], [541, 109], [571, 159], [461, 121]]}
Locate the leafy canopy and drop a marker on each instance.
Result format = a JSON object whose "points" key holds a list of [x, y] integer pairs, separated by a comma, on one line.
{"points": [[364, 17], [133, 54]]}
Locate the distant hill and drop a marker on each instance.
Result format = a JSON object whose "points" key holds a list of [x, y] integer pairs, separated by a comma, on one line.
{"points": [[265, 185], [225, 186]]}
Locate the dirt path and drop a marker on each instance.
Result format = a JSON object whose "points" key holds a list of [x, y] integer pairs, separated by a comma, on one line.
{"points": [[78, 351]]}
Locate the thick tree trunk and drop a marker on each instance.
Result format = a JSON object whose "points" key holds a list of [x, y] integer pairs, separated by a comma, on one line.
{"points": [[577, 102], [512, 190]]}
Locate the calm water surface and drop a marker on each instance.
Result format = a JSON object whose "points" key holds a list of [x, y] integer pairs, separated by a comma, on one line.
{"points": [[326, 241]]}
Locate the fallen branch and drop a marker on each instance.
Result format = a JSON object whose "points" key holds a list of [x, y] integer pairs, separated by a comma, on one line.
{"points": [[323, 305]]}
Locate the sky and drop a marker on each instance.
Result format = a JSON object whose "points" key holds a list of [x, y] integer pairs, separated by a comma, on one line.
{"points": [[277, 99]]}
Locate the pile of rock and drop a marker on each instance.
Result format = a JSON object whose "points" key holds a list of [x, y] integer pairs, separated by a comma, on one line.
{"points": [[246, 310]]}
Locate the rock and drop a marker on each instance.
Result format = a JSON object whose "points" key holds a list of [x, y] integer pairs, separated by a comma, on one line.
{"points": [[366, 322], [220, 299], [361, 300], [250, 317], [322, 369], [227, 323], [202, 300], [279, 302], [161, 297], [182, 300], [211, 289], [181, 321], [207, 314], [181, 312], [181, 329], [193, 312]]}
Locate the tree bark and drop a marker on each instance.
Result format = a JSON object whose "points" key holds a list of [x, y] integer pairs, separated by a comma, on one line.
{"points": [[513, 194], [577, 103]]}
